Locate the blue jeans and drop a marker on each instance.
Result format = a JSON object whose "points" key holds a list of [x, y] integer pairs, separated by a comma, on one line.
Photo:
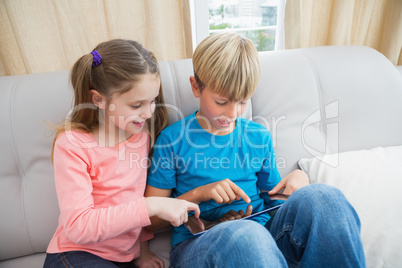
{"points": [[316, 227], [81, 259]]}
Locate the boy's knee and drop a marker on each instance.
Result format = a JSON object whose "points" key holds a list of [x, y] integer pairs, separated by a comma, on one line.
{"points": [[247, 242], [318, 193], [244, 235], [241, 228], [321, 199]]}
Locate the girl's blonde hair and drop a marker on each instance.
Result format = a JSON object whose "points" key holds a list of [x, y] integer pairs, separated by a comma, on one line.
{"points": [[228, 63], [123, 63]]}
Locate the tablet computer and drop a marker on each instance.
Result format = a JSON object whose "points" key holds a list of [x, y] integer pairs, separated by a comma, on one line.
{"points": [[200, 226]]}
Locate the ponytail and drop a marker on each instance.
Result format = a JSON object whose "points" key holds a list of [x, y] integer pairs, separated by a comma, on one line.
{"points": [[81, 117], [87, 117]]}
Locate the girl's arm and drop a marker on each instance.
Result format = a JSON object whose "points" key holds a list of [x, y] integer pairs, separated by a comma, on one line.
{"points": [[83, 222], [156, 222], [174, 211], [224, 191], [147, 258]]}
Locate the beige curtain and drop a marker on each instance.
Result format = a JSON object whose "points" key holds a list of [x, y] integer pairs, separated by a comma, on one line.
{"points": [[373, 23], [49, 35]]}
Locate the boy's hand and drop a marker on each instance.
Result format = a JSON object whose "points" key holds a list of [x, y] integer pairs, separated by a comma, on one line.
{"points": [[172, 210], [293, 181], [224, 191], [234, 215]]}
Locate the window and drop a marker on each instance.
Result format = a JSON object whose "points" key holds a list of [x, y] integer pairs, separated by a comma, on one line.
{"points": [[256, 19]]}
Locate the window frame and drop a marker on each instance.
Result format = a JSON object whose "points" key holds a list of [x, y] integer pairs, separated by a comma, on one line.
{"points": [[200, 23]]}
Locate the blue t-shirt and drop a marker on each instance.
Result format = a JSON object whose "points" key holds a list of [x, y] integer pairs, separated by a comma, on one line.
{"points": [[186, 156]]}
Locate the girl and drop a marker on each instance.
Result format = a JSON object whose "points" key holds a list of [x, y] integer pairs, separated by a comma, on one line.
{"points": [[100, 156]]}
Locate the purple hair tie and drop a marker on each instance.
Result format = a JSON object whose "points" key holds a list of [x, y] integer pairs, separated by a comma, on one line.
{"points": [[97, 58]]}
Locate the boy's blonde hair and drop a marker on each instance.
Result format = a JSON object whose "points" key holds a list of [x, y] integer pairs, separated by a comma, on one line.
{"points": [[228, 63]]}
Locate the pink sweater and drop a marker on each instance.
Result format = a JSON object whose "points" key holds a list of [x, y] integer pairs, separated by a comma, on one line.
{"points": [[101, 196]]}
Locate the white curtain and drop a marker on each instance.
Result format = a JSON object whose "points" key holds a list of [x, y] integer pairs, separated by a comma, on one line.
{"points": [[372, 23], [49, 35]]}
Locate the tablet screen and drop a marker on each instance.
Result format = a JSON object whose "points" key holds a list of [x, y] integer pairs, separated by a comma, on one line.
{"points": [[200, 226]]}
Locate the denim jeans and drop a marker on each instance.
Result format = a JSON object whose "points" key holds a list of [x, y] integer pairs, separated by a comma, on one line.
{"points": [[81, 259], [316, 227]]}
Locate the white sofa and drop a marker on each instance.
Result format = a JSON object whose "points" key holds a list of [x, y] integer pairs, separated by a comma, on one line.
{"points": [[314, 100]]}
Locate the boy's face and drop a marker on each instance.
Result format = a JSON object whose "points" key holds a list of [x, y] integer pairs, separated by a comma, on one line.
{"points": [[217, 114]]}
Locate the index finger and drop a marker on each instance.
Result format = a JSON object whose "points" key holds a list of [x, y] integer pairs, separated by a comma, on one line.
{"points": [[194, 207], [239, 192]]}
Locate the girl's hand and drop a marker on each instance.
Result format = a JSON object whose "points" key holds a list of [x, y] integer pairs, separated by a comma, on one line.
{"points": [[233, 215], [293, 181], [172, 210], [147, 258], [224, 191]]}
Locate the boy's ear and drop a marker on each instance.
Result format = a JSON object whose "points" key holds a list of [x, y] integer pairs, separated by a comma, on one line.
{"points": [[194, 87], [98, 99]]}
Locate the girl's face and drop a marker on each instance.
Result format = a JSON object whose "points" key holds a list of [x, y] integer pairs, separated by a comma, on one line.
{"points": [[129, 111], [217, 114]]}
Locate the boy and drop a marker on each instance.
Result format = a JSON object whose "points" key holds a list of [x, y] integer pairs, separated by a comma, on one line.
{"points": [[223, 162]]}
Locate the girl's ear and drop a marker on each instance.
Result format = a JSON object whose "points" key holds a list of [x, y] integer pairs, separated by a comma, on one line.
{"points": [[194, 87], [98, 99]]}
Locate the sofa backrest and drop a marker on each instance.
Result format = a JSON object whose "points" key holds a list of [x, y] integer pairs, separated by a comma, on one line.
{"points": [[29, 206], [331, 99], [313, 100]]}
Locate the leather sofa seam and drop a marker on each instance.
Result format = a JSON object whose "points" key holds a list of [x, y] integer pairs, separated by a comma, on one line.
{"points": [[18, 161]]}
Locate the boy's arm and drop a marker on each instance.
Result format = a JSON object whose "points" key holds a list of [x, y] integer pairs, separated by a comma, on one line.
{"points": [[269, 179], [224, 191], [291, 182]]}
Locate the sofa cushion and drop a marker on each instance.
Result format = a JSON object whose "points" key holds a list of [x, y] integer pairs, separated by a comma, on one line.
{"points": [[372, 182], [33, 261]]}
